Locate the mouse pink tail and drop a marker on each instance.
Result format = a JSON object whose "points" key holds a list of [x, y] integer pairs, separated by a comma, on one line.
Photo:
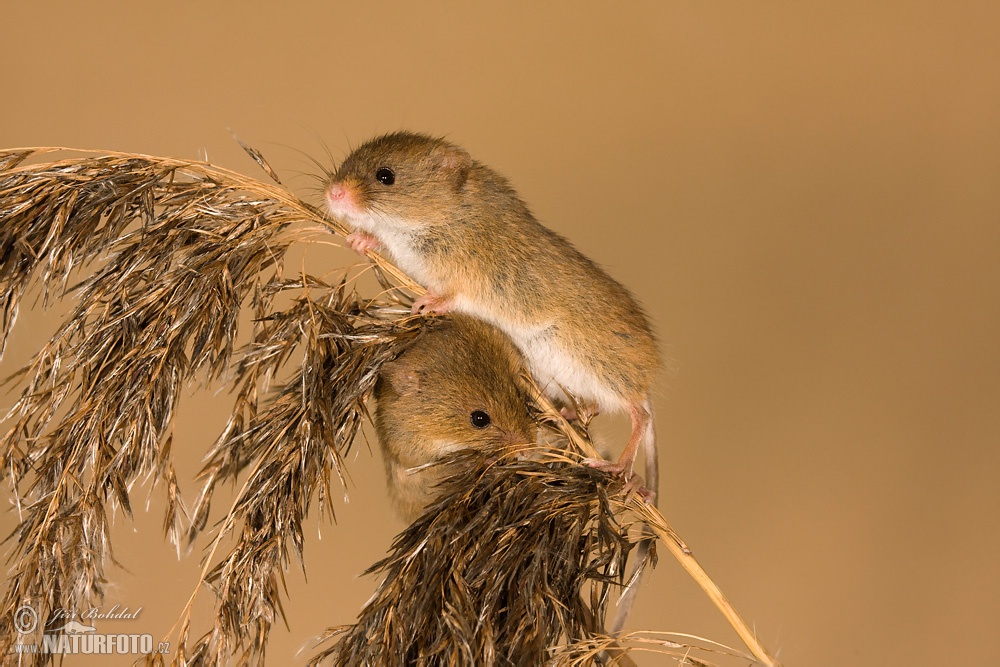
{"points": [[652, 483], [651, 471]]}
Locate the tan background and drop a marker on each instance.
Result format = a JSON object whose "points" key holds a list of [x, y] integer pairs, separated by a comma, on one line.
{"points": [[807, 200]]}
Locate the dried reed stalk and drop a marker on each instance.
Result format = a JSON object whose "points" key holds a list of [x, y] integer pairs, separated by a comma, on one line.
{"points": [[177, 250]]}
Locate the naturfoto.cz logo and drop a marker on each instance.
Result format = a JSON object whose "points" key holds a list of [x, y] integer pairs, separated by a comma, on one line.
{"points": [[71, 632]]}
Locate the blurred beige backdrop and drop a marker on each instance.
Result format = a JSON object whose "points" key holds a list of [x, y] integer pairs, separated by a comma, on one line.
{"points": [[807, 200]]}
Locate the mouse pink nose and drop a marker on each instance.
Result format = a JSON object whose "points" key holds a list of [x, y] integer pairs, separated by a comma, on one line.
{"points": [[339, 199], [336, 192]]}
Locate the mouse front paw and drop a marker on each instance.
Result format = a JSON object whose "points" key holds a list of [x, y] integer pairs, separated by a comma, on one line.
{"points": [[430, 304], [362, 242]]}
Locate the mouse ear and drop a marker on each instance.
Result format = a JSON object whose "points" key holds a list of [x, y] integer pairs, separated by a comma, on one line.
{"points": [[401, 377], [454, 162]]}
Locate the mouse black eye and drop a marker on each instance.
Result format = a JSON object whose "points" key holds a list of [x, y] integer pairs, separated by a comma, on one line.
{"points": [[385, 176], [480, 419]]}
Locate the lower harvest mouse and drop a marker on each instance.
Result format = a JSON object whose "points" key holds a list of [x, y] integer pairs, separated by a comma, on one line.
{"points": [[455, 388]]}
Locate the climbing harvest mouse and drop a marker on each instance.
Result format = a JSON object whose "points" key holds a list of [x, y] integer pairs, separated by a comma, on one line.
{"points": [[455, 388], [458, 228]]}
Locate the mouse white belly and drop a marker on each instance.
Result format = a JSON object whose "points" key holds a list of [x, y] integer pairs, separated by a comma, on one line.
{"points": [[550, 362], [556, 370]]}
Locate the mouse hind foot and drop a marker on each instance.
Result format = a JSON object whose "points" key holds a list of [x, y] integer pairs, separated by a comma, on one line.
{"points": [[642, 432], [634, 483]]}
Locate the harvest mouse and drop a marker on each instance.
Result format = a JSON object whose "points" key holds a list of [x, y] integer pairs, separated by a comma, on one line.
{"points": [[458, 228], [455, 388]]}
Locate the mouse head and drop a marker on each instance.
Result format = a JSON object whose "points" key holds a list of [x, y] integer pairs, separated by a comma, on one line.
{"points": [[399, 178], [455, 388]]}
